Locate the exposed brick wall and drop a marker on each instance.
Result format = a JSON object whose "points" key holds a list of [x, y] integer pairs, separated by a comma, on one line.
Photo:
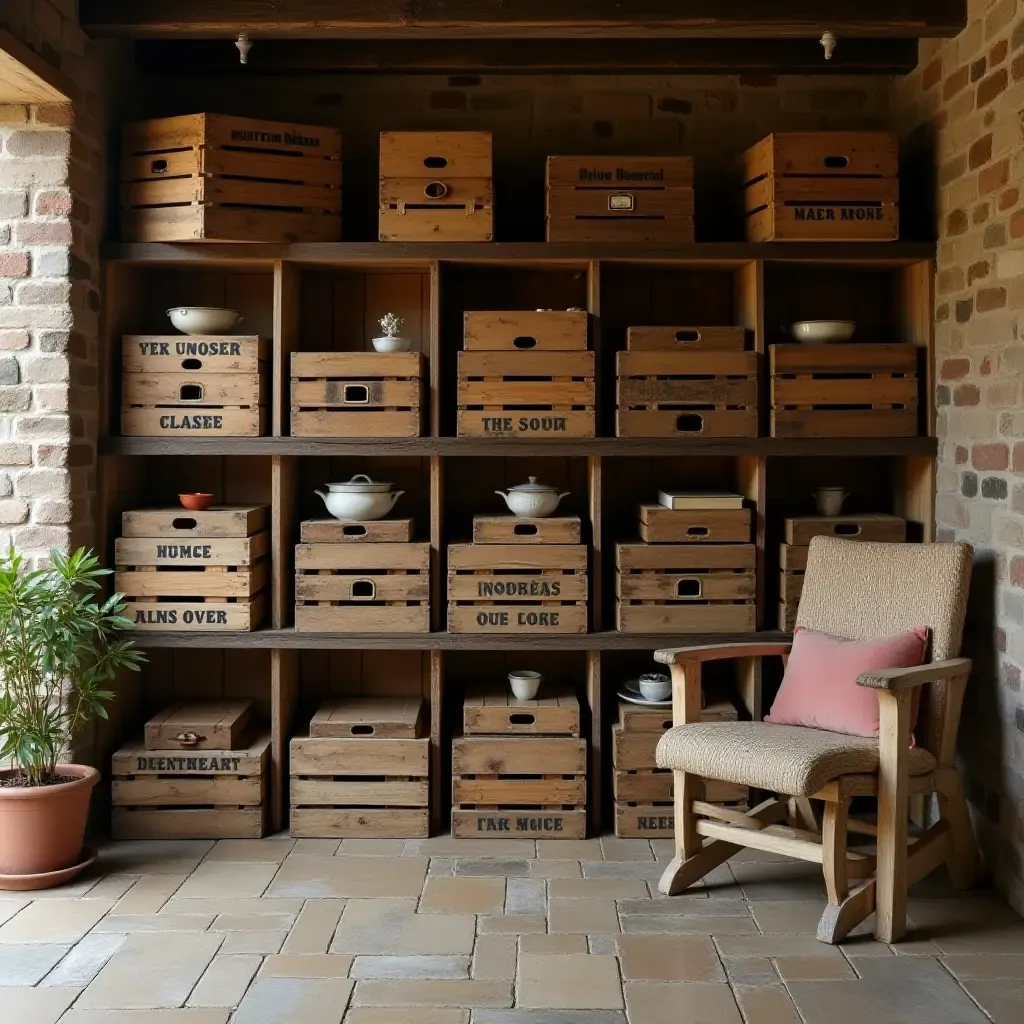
{"points": [[962, 112]]}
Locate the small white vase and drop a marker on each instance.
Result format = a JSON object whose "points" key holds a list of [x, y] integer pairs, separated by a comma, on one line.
{"points": [[525, 683], [392, 343]]}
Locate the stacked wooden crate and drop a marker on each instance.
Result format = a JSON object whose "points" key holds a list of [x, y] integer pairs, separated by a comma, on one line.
{"points": [[686, 382], [182, 570], [519, 576], [692, 572], [194, 386], [362, 771], [799, 532], [357, 394], [642, 791], [526, 373], [520, 768], [200, 772], [361, 577], [436, 186]]}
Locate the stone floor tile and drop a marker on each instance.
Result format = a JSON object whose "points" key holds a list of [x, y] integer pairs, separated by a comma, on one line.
{"points": [[979, 925], [692, 1002], [314, 927], [572, 981], [362, 877], [441, 867], [153, 856], [791, 880], [224, 982], [554, 944], [10, 907], [378, 967], [113, 887], [354, 847], [28, 964], [289, 1000], [754, 971], [35, 1005], [683, 906], [499, 868], [775, 946], [512, 924], [149, 893], [582, 917], [228, 878], [813, 968], [767, 1004], [186, 1016], [525, 896], [84, 961], [315, 848], [151, 971], [605, 944], [433, 993], [555, 869], [463, 896], [669, 958], [1002, 999], [992, 965], [663, 849], [398, 1015], [645, 870], [562, 849], [494, 957], [245, 905], [446, 846], [270, 850], [122, 924], [72, 890], [54, 921], [555, 1016], [306, 965], [795, 917], [688, 924], [254, 941], [599, 888], [614, 848], [391, 926], [252, 922]]}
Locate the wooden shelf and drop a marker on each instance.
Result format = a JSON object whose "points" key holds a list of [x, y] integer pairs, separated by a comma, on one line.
{"points": [[450, 447]]}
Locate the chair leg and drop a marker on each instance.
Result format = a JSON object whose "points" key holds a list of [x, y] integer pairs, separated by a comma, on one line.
{"points": [[962, 859], [891, 864], [833, 842]]}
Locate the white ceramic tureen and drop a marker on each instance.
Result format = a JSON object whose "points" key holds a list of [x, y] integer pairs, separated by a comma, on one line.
{"points": [[360, 499], [532, 500]]}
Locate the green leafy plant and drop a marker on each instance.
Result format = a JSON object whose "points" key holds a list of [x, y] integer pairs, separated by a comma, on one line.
{"points": [[59, 644]]}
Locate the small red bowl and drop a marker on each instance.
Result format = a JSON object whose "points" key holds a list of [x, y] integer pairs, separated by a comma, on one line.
{"points": [[196, 502]]}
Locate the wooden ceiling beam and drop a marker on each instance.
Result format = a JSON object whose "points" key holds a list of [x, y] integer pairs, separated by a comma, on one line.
{"points": [[554, 19], [539, 56], [26, 78]]}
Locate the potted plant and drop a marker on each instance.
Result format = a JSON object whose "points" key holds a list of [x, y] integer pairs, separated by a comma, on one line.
{"points": [[60, 643], [392, 340]]}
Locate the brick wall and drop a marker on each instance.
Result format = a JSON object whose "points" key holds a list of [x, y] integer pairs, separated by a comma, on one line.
{"points": [[961, 113]]}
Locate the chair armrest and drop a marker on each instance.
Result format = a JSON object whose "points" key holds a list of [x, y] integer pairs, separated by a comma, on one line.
{"points": [[896, 679], [753, 649]]}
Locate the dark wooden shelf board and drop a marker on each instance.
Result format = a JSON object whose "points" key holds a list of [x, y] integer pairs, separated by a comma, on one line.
{"points": [[454, 447]]}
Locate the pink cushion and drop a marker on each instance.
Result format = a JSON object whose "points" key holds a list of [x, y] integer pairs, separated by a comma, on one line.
{"points": [[820, 690]]}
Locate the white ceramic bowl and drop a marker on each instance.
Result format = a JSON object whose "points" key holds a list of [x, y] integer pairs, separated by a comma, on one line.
{"points": [[823, 330], [654, 686], [525, 683], [203, 319], [391, 344]]}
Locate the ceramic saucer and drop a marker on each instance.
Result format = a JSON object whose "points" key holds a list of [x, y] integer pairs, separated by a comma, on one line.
{"points": [[48, 879]]}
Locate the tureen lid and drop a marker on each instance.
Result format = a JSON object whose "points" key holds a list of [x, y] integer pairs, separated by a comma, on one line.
{"points": [[360, 484], [532, 487]]}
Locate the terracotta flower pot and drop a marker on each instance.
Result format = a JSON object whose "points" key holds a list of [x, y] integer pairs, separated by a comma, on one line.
{"points": [[42, 828]]}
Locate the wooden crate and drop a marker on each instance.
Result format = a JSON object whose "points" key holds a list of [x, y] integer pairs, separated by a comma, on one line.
{"points": [[685, 339], [822, 186], [517, 588], [436, 186], [531, 394], [877, 527], [209, 725], [218, 177], [349, 531], [385, 718], [844, 390], [528, 786], [520, 530], [359, 786], [791, 584], [540, 330], [357, 394], [682, 394], [793, 557], [620, 198], [637, 718], [660, 525], [177, 794], [498, 712], [181, 524], [787, 617], [183, 353], [362, 588], [685, 588]]}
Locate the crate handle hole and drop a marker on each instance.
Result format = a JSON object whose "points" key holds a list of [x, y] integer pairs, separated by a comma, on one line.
{"points": [[435, 190], [687, 588], [157, 166], [690, 423], [434, 162], [190, 393], [524, 342], [837, 163], [525, 529], [363, 588], [667, 724], [354, 530], [355, 394], [846, 529], [697, 531], [183, 523], [188, 739], [191, 364], [687, 335], [362, 730], [522, 719]]}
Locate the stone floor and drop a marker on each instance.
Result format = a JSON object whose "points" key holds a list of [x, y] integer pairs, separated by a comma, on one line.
{"points": [[443, 931]]}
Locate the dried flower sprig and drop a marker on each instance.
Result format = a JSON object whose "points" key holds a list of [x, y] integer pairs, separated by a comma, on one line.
{"points": [[391, 324]]}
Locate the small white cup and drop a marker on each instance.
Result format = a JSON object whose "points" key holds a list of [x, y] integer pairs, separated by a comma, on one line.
{"points": [[525, 683], [655, 686], [829, 500]]}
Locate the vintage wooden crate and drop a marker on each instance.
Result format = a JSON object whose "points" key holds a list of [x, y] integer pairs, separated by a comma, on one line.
{"points": [[637, 718], [179, 794], [528, 786], [349, 531], [844, 390], [385, 718], [817, 186], [206, 725], [874, 526], [495, 711], [660, 525], [436, 186], [357, 394], [685, 339], [194, 353], [218, 177], [674, 394], [517, 588], [520, 530], [685, 588], [360, 786], [620, 198], [540, 330], [220, 521], [532, 394], [787, 617], [362, 588]]}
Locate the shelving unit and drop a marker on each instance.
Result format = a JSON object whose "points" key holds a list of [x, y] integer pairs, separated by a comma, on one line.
{"points": [[326, 297]]}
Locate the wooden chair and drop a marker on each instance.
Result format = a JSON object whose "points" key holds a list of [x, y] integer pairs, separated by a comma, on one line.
{"points": [[859, 591]]}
